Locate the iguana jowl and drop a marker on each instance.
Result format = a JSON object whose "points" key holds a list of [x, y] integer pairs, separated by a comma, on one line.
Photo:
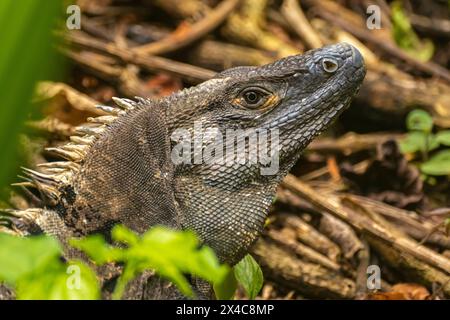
{"points": [[119, 170]]}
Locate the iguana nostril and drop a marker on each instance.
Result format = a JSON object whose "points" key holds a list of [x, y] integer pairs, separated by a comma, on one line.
{"points": [[329, 65]]}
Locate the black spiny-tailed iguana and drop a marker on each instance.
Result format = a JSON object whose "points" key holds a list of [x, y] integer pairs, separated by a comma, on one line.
{"points": [[123, 168]]}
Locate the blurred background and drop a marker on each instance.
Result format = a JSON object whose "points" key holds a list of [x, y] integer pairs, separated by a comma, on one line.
{"points": [[386, 159]]}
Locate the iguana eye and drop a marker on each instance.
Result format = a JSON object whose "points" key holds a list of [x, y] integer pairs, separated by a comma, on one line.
{"points": [[254, 97]]}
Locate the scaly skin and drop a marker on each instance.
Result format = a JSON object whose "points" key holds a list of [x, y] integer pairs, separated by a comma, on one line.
{"points": [[122, 170]]}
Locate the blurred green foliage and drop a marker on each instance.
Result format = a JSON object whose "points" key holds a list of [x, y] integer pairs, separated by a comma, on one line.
{"points": [[438, 165], [226, 289], [26, 56], [422, 139], [406, 38], [32, 266], [172, 254]]}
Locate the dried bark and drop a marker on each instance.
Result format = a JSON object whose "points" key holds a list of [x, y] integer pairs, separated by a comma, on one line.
{"points": [[307, 278]]}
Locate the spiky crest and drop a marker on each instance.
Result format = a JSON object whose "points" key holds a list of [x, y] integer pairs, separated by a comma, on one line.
{"points": [[51, 178]]}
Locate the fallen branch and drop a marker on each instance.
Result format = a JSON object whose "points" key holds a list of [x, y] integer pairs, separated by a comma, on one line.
{"points": [[150, 63], [247, 26], [352, 142], [342, 234], [220, 55], [307, 278], [310, 236], [406, 220], [298, 22], [183, 9], [176, 40], [287, 237], [365, 225]]}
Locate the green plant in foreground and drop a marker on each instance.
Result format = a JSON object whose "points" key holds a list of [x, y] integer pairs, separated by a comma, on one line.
{"points": [[249, 275], [27, 55], [32, 266], [421, 139], [172, 254]]}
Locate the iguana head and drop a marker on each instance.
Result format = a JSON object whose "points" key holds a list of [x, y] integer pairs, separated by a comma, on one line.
{"points": [[280, 107]]}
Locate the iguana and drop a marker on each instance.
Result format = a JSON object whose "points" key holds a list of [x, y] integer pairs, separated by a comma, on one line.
{"points": [[121, 168]]}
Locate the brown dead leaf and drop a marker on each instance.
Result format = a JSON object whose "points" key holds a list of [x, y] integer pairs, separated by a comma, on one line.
{"points": [[401, 291], [65, 103], [412, 291], [386, 296], [163, 84]]}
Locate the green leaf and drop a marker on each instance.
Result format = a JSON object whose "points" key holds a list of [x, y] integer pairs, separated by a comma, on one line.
{"points": [[122, 234], [443, 137], [438, 165], [406, 38], [130, 271], [416, 141], [226, 289], [419, 120], [59, 282], [181, 248], [96, 247], [33, 267], [21, 256], [249, 275], [27, 55], [172, 254]]}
